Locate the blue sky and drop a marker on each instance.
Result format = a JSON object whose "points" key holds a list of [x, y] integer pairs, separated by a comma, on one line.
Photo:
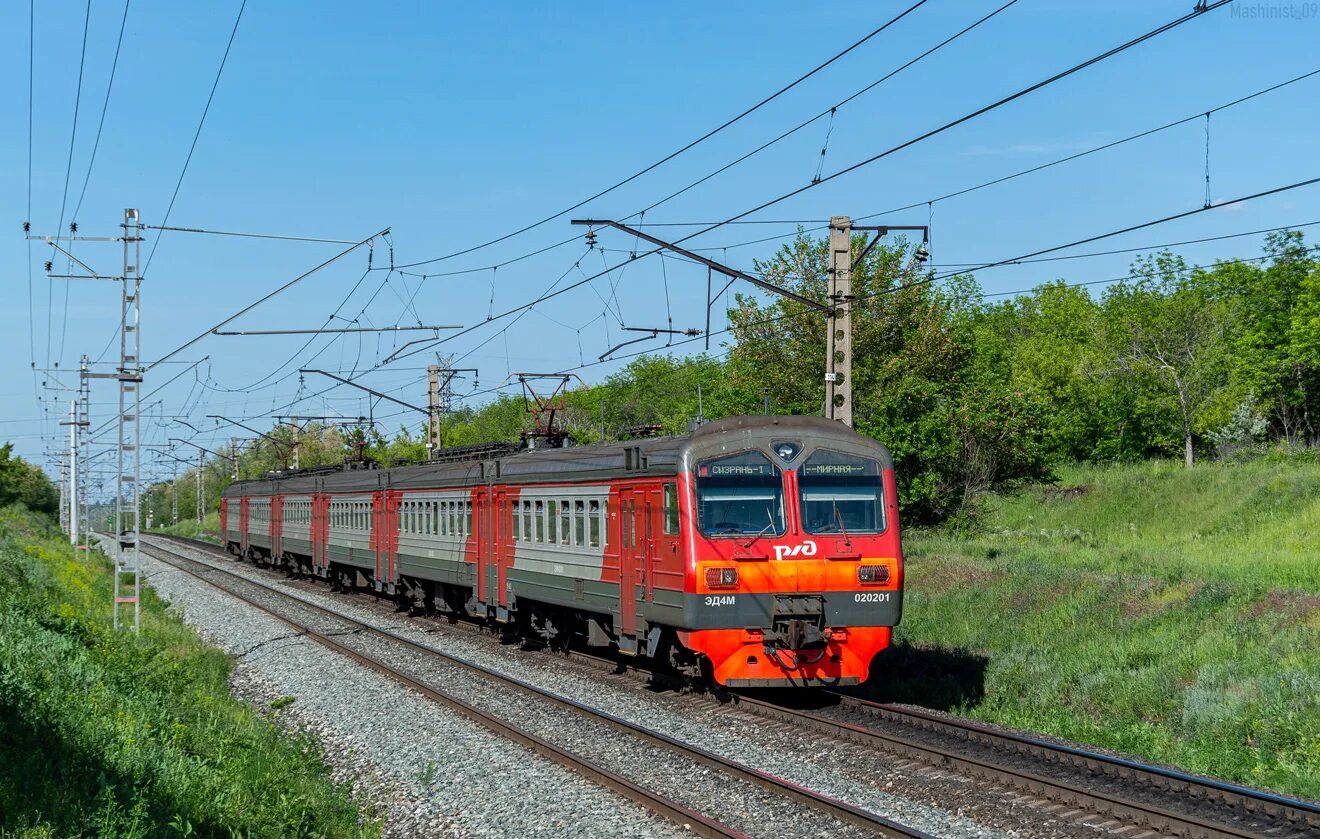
{"points": [[452, 124]]}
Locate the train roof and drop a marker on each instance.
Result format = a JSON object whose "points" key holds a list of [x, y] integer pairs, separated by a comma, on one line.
{"points": [[648, 457]]}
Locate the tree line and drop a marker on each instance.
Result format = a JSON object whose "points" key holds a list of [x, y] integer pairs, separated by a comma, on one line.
{"points": [[970, 394]]}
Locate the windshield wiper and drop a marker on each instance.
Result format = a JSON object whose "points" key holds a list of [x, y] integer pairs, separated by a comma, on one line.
{"points": [[769, 526], [839, 520]]}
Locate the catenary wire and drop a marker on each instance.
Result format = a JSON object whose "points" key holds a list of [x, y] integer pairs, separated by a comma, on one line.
{"points": [[690, 145], [1140, 39], [105, 106], [224, 59], [1010, 261], [68, 171], [827, 112]]}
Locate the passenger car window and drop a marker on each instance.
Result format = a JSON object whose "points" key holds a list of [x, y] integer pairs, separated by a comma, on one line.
{"points": [[593, 517]]}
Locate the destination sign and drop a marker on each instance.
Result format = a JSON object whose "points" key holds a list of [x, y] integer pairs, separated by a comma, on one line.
{"points": [[836, 469], [729, 470]]}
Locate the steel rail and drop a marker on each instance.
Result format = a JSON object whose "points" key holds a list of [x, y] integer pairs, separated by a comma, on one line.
{"points": [[1276, 812], [673, 811], [1251, 802], [828, 805], [986, 761]]}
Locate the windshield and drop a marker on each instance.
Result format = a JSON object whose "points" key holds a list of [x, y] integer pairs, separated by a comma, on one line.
{"points": [[742, 494], [841, 493]]}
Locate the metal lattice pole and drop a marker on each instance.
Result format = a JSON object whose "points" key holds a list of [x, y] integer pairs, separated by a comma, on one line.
{"points": [[128, 494], [84, 421], [74, 527]]}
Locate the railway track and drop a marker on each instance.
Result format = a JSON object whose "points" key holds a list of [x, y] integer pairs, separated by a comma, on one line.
{"points": [[1063, 780], [861, 821], [1162, 800]]}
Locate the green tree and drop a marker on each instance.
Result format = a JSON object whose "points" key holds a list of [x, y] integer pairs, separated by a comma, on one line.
{"points": [[1276, 347], [1169, 337], [924, 381], [23, 483]]}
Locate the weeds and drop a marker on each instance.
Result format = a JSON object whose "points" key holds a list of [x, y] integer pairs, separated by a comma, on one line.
{"points": [[1168, 613]]}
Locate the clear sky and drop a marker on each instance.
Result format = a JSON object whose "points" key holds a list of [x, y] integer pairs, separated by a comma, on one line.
{"points": [[452, 124]]}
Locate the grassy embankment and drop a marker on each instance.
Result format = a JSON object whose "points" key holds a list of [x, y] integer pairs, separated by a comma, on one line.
{"points": [[1167, 613], [106, 734], [188, 527]]}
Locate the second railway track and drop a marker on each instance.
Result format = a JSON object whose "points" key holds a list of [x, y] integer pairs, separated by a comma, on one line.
{"points": [[769, 802]]}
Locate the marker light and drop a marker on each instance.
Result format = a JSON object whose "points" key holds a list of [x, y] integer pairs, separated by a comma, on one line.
{"points": [[721, 577], [872, 575]]}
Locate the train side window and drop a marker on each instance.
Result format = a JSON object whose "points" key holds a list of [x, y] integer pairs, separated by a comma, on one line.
{"points": [[593, 524], [527, 521], [435, 518], [552, 521], [671, 509], [540, 521], [453, 518], [515, 520], [565, 523], [605, 522], [579, 524]]}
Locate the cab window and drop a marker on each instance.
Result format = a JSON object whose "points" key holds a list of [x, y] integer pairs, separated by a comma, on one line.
{"points": [[841, 493], [671, 509], [741, 494]]}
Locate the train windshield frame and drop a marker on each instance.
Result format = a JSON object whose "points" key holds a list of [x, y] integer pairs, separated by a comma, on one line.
{"points": [[740, 495], [841, 493]]}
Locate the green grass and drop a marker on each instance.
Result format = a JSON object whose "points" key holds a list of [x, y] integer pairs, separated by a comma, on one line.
{"points": [[1257, 522], [1167, 613], [208, 531], [106, 734]]}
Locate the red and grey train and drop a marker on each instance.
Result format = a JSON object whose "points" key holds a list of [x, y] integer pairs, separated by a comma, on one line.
{"points": [[763, 551]]}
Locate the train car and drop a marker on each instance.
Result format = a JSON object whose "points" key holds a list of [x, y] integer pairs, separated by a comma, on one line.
{"points": [[759, 551]]}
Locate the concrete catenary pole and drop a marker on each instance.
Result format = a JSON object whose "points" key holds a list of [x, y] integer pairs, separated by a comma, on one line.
{"points": [[201, 485], [433, 409], [838, 365]]}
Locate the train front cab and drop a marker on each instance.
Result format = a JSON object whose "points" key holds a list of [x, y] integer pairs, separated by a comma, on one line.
{"points": [[795, 567]]}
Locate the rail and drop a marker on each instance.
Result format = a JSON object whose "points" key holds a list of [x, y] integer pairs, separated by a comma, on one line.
{"points": [[700, 824]]}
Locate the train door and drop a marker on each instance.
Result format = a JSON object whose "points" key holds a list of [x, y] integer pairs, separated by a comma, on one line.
{"points": [[276, 527], [632, 562], [243, 514], [653, 514], [320, 510], [503, 555], [379, 539], [386, 531], [485, 550]]}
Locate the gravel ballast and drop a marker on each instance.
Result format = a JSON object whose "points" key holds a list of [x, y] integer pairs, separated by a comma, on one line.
{"points": [[431, 771], [941, 803]]}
